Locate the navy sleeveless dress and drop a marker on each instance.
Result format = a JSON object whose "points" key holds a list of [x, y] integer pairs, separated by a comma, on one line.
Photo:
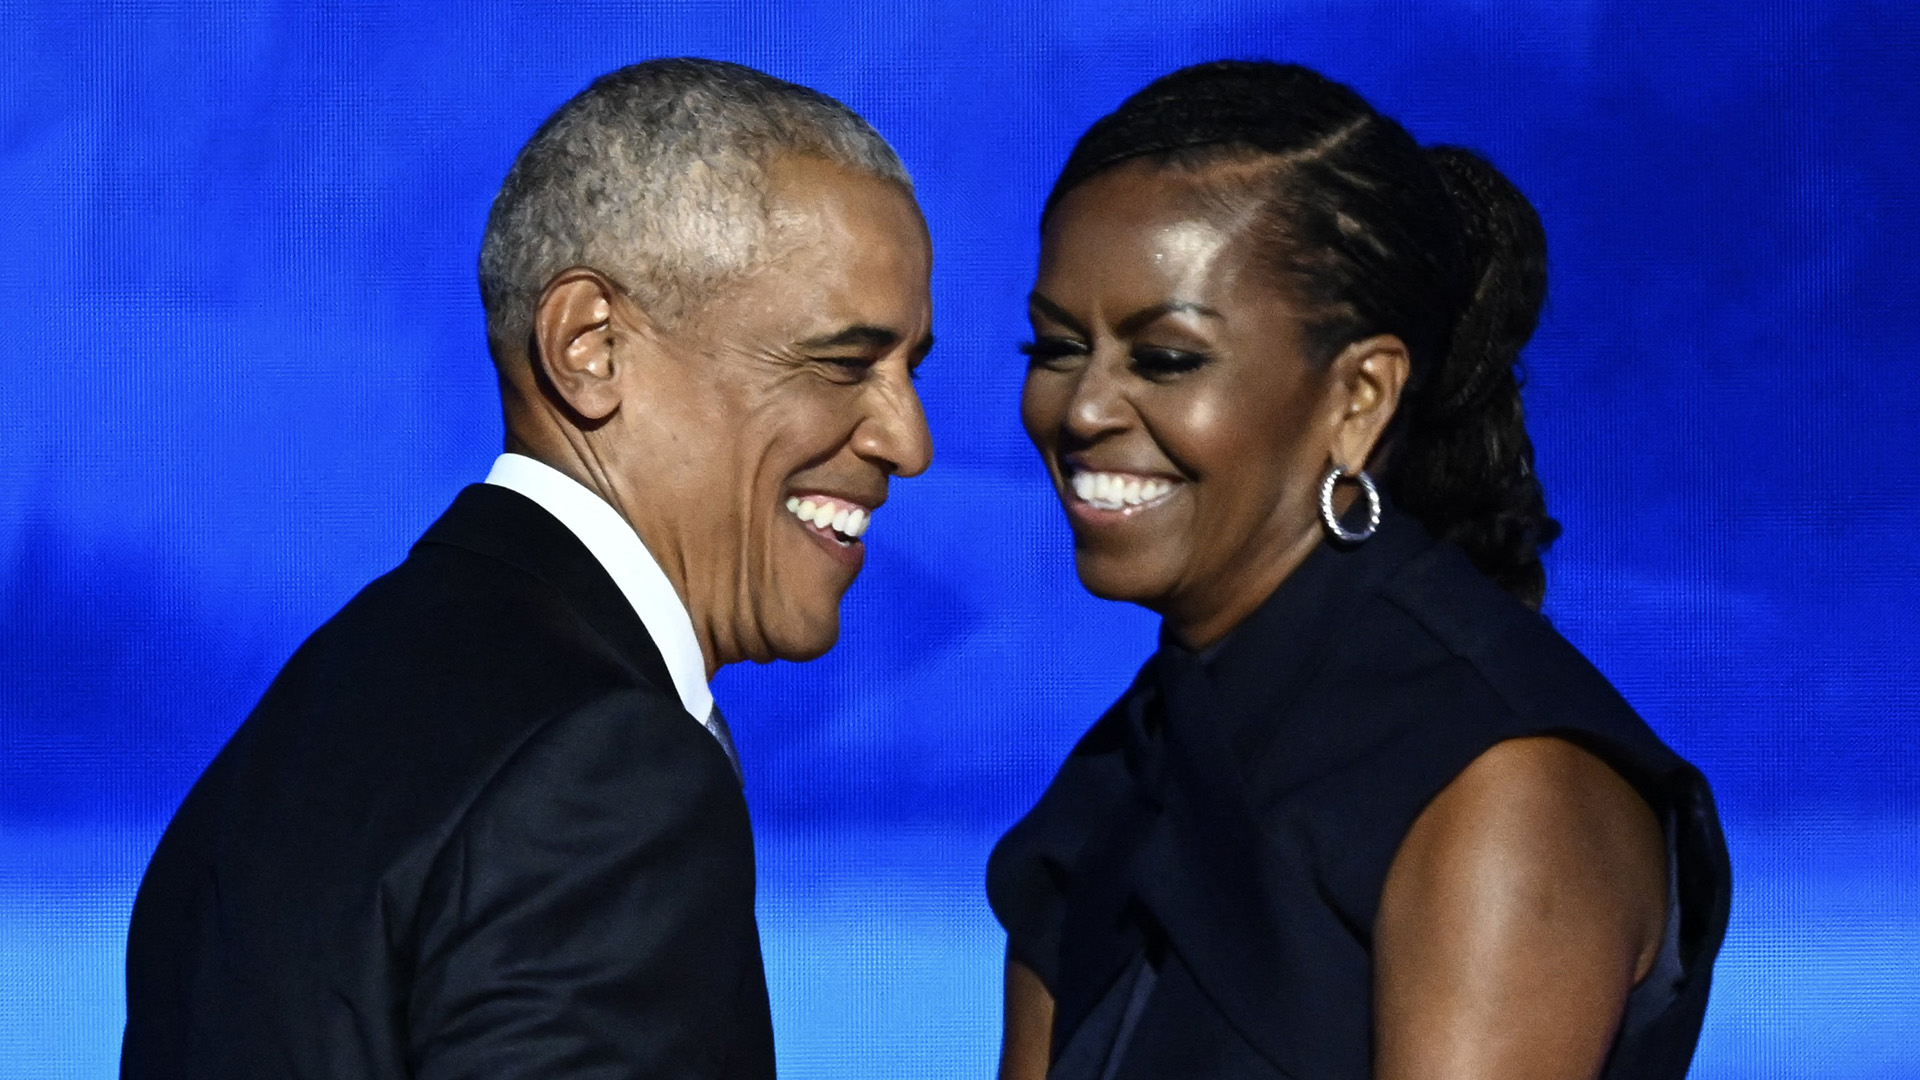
{"points": [[1197, 887]]}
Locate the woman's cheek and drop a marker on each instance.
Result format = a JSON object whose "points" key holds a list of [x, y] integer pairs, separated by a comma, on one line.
{"points": [[1041, 400], [1195, 431]]}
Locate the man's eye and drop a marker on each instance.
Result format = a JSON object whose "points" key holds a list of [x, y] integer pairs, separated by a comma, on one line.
{"points": [[1158, 363], [1050, 352], [845, 367]]}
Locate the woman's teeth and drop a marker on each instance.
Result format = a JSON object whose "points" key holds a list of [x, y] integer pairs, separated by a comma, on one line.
{"points": [[1117, 491], [845, 520]]}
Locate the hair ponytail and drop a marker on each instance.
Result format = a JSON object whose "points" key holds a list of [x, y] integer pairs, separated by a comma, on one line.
{"points": [[1464, 463]]}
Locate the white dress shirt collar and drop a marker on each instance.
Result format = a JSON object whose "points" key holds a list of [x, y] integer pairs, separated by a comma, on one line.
{"points": [[618, 548]]}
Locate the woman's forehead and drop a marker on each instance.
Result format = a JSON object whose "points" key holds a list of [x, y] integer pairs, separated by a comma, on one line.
{"points": [[1138, 240]]}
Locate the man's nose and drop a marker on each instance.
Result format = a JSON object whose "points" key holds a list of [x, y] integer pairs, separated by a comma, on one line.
{"points": [[894, 432]]}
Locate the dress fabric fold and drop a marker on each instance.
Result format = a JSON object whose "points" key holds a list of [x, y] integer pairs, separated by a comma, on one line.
{"points": [[1197, 886]]}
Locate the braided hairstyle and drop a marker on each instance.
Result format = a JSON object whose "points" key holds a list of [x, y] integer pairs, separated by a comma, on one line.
{"points": [[1372, 234]]}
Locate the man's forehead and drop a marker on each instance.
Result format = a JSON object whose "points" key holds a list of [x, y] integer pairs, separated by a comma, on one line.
{"points": [[803, 303], [843, 263], [828, 233], [807, 193]]}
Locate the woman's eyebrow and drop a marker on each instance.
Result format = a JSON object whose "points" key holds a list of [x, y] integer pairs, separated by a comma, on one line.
{"points": [[1051, 310], [1146, 316], [1132, 323]]}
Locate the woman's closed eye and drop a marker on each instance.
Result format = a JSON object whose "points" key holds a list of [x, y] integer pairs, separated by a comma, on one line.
{"points": [[1053, 353], [1160, 363]]}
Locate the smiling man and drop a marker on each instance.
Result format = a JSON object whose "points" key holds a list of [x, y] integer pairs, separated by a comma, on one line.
{"points": [[488, 820]]}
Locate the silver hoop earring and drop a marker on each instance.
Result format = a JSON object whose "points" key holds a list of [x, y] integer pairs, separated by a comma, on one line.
{"points": [[1332, 520]]}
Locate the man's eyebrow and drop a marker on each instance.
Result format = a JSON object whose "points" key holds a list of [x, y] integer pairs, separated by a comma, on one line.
{"points": [[1128, 326], [920, 351], [864, 337]]}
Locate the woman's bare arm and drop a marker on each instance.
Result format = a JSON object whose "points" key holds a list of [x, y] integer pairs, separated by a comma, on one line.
{"points": [[1028, 1044], [1523, 906]]}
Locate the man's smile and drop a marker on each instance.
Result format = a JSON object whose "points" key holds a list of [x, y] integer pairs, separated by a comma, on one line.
{"points": [[834, 522], [845, 519]]}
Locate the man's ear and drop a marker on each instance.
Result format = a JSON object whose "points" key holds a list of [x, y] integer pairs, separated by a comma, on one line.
{"points": [[1368, 377], [580, 327]]}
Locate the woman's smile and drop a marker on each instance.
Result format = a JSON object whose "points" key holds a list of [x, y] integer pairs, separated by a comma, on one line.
{"points": [[1098, 492]]}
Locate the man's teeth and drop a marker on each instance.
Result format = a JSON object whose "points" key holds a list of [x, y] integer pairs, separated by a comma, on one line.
{"points": [[847, 519], [1114, 491]]}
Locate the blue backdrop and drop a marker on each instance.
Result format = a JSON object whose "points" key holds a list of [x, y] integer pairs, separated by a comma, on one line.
{"points": [[243, 367]]}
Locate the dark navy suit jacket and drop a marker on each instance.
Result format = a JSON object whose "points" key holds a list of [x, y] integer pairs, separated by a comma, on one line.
{"points": [[469, 831]]}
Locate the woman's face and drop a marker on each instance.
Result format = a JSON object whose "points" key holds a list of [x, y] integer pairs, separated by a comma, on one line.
{"points": [[1170, 394]]}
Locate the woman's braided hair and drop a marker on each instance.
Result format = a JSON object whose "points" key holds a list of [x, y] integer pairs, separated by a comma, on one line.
{"points": [[1374, 235]]}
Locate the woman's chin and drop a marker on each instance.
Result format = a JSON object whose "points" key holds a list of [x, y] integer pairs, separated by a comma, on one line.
{"points": [[1132, 581]]}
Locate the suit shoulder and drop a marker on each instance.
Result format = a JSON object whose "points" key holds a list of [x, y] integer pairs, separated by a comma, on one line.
{"points": [[452, 638], [409, 702], [630, 754], [466, 605]]}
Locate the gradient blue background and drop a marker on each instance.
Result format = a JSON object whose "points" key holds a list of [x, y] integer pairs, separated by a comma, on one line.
{"points": [[243, 368]]}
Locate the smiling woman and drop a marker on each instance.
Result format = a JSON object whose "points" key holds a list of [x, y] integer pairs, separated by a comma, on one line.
{"points": [[1364, 812], [1171, 390]]}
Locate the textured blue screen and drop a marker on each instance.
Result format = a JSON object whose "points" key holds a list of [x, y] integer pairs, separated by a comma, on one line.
{"points": [[243, 367]]}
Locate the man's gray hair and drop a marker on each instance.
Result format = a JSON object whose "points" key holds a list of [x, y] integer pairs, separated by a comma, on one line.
{"points": [[655, 175]]}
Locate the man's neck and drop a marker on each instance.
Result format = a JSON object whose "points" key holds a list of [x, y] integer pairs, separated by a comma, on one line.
{"points": [[580, 465]]}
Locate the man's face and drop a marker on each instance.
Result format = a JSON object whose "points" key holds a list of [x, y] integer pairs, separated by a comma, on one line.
{"points": [[763, 436]]}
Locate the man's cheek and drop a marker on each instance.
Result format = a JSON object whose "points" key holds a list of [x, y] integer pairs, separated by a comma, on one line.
{"points": [[812, 428]]}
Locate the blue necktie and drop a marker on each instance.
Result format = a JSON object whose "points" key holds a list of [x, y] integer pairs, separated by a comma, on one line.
{"points": [[716, 724]]}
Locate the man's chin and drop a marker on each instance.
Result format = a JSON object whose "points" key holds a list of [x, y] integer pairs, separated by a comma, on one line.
{"points": [[806, 639]]}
